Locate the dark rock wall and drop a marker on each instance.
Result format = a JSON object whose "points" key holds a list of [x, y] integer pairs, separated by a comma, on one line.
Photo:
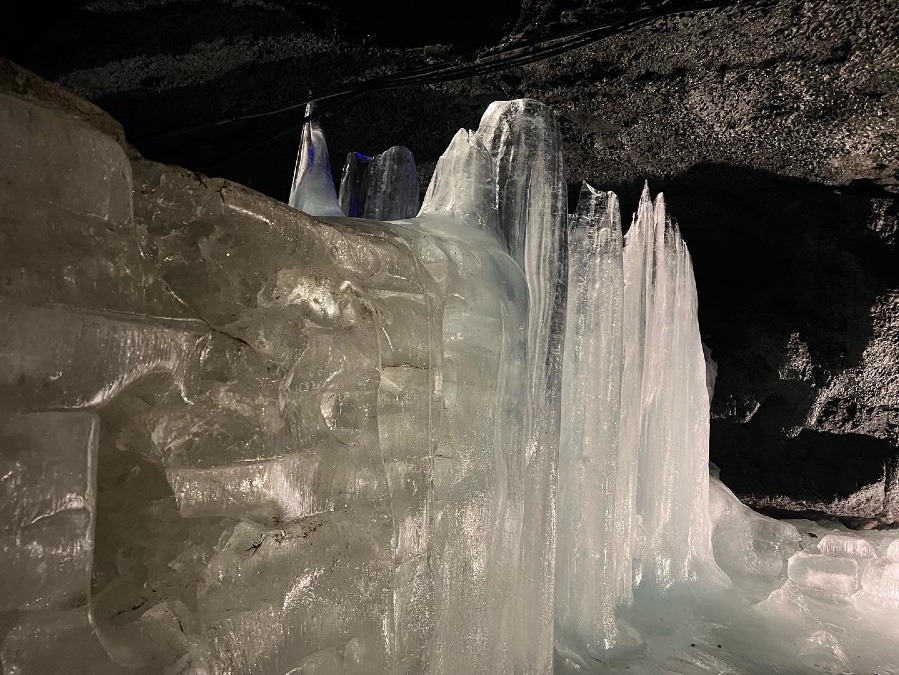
{"points": [[773, 132]]}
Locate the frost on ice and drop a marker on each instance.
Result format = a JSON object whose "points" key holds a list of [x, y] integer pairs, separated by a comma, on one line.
{"points": [[371, 435]]}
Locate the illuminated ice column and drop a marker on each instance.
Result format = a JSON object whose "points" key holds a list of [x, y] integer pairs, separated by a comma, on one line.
{"points": [[523, 137], [477, 487], [592, 506], [665, 402]]}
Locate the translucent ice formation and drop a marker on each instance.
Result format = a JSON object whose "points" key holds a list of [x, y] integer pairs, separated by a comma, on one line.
{"points": [[524, 140], [383, 187], [312, 190], [591, 498], [240, 439], [667, 406], [633, 506], [645, 535]]}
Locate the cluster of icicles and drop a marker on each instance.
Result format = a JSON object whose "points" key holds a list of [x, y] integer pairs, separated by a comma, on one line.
{"points": [[658, 567]]}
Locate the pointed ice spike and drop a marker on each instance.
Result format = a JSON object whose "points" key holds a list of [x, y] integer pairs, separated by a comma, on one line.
{"points": [[354, 184], [665, 403], [523, 137], [392, 190], [312, 190], [463, 186], [594, 494]]}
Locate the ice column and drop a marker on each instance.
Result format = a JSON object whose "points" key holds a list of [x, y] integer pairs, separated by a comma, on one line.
{"points": [[392, 185], [312, 190], [592, 505], [665, 402], [523, 137], [478, 464]]}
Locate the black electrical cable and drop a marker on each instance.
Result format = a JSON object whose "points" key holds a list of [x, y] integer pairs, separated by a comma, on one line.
{"points": [[504, 58]]}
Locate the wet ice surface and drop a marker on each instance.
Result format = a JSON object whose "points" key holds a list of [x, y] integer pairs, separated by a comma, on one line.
{"points": [[238, 439], [767, 622]]}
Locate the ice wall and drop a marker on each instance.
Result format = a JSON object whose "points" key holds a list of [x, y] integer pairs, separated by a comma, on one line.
{"points": [[291, 444]]}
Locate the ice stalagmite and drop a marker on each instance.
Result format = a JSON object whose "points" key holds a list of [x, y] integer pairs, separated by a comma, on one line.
{"points": [[383, 187], [665, 402], [590, 554], [392, 185], [353, 184], [312, 189], [523, 137]]}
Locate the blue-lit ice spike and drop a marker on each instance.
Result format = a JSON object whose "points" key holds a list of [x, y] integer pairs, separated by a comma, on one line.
{"points": [[312, 190], [354, 184]]}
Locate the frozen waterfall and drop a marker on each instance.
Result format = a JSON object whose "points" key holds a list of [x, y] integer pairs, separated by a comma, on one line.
{"points": [[371, 433]]}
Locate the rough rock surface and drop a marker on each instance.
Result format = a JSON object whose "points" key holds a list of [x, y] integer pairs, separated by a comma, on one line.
{"points": [[772, 131]]}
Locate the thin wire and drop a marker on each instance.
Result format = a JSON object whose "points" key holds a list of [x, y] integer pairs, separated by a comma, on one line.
{"points": [[505, 58]]}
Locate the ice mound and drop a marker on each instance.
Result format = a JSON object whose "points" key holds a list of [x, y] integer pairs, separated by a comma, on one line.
{"points": [[880, 585], [745, 542]]}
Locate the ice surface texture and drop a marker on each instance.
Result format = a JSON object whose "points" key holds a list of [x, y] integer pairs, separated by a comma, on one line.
{"points": [[309, 435]]}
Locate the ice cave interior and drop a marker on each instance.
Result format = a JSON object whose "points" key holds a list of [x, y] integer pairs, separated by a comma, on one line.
{"points": [[363, 434]]}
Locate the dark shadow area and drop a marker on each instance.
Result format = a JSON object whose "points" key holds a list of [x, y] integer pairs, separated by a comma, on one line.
{"points": [[813, 466], [76, 34]]}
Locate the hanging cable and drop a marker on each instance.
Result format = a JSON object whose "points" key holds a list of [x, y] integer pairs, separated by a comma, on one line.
{"points": [[512, 56]]}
